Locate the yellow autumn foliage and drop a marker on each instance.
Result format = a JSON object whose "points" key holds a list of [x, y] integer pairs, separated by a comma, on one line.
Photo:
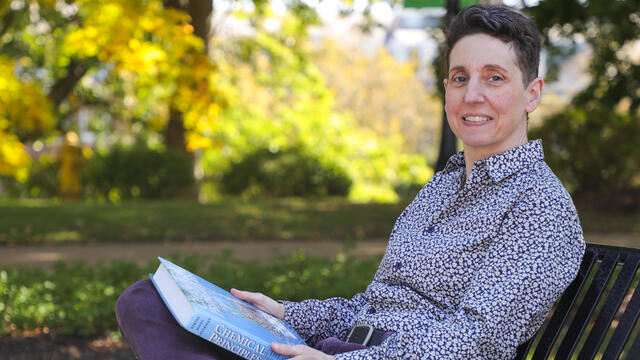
{"points": [[382, 94], [157, 55], [24, 112], [14, 160]]}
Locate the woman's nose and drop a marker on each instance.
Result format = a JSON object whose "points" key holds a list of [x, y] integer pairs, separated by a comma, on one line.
{"points": [[473, 92]]}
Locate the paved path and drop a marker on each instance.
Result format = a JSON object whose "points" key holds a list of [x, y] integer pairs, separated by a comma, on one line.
{"points": [[145, 252], [245, 250]]}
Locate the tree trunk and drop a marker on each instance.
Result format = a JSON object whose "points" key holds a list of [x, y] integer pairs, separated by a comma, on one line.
{"points": [[61, 89], [200, 12], [174, 132], [175, 4], [448, 140]]}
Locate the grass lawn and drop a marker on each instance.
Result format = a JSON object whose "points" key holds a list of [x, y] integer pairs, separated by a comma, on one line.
{"points": [[38, 221]]}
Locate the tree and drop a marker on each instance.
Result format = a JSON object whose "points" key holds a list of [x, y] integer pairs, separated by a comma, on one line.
{"points": [[593, 144], [138, 71], [382, 94], [200, 13], [134, 62], [279, 101], [24, 114]]}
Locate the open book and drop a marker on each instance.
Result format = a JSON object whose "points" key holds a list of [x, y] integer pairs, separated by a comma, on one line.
{"points": [[219, 317]]}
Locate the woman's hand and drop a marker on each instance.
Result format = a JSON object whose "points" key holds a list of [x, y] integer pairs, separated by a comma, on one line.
{"points": [[262, 302], [300, 352]]}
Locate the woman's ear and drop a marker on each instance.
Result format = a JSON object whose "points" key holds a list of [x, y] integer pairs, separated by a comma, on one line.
{"points": [[444, 82], [534, 92]]}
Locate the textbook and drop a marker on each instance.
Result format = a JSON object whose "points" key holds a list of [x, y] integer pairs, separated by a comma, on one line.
{"points": [[219, 317]]}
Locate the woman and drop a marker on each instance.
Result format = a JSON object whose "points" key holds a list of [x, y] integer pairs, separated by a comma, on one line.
{"points": [[475, 262]]}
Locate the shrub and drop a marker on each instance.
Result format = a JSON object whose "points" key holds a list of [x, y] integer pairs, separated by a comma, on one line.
{"points": [[291, 172], [138, 172], [280, 100], [78, 299], [42, 181], [594, 152]]}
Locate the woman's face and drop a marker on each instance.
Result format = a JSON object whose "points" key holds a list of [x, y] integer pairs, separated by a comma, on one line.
{"points": [[485, 100]]}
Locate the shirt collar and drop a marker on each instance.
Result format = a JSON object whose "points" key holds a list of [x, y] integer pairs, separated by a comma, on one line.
{"points": [[501, 165], [456, 161]]}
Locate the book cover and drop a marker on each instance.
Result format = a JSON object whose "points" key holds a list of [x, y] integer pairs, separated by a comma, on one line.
{"points": [[219, 317]]}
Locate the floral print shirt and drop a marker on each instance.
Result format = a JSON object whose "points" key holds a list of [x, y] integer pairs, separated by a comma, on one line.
{"points": [[471, 269]]}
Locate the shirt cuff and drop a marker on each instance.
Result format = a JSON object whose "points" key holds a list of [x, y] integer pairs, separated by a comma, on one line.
{"points": [[290, 311]]}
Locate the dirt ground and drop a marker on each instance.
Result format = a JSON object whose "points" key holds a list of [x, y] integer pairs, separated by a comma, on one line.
{"points": [[44, 255], [45, 348]]}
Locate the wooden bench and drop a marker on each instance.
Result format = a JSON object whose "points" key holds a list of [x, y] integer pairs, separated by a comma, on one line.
{"points": [[597, 316]]}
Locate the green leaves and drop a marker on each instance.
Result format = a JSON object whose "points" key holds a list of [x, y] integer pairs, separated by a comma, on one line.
{"points": [[78, 299], [594, 150], [137, 172], [130, 60], [279, 101], [592, 145], [611, 28]]}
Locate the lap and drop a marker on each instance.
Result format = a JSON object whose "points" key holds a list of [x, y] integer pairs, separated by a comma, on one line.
{"points": [[152, 332]]}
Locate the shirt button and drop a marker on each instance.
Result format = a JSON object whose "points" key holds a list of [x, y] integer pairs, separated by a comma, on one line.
{"points": [[371, 311], [397, 266]]}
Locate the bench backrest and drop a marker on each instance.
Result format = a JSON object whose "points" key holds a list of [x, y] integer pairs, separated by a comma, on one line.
{"points": [[598, 313]]}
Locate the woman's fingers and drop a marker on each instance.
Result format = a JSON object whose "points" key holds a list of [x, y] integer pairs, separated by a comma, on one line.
{"points": [[299, 352], [261, 301], [240, 294], [256, 299], [284, 349]]}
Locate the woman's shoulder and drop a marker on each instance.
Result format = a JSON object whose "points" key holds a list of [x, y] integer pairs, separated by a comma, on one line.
{"points": [[545, 183], [543, 196]]}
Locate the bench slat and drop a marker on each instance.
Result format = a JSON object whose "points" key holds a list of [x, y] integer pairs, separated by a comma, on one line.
{"points": [[564, 306], [610, 308], [523, 350], [622, 332], [588, 304], [634, 352]]}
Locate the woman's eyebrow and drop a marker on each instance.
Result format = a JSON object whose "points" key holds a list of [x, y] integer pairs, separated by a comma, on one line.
{"points": [[494, 67], [456, 68]]}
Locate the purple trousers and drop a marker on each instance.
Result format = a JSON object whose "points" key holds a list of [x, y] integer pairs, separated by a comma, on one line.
{"points": [[152, 332]]}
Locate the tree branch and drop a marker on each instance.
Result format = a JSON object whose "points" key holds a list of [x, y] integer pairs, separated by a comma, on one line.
{"points": [[63, 87]]}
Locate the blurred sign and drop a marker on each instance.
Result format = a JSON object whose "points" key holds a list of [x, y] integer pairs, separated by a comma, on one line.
{"points": [[419, 4]]}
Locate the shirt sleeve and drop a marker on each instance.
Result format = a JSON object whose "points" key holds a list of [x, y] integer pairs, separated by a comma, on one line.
{"points": [[532, 260], [315, 320]]}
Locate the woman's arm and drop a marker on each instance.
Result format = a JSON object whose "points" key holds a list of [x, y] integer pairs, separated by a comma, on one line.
{"points": [[314, 320]]}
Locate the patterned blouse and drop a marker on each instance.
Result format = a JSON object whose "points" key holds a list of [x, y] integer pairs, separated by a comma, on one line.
{"points": [[471, 269]]}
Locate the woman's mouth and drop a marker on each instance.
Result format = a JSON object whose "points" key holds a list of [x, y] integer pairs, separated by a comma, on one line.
{"points": [[476, 118]]}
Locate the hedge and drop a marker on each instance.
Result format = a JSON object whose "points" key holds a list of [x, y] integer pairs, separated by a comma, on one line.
{"points": [[76, 298]]}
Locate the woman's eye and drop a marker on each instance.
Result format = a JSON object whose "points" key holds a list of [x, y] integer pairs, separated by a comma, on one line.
{"points": [[495, 78], [459, 79]]}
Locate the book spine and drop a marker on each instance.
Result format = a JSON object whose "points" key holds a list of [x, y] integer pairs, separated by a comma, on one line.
{"points": [[231, 338]]}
